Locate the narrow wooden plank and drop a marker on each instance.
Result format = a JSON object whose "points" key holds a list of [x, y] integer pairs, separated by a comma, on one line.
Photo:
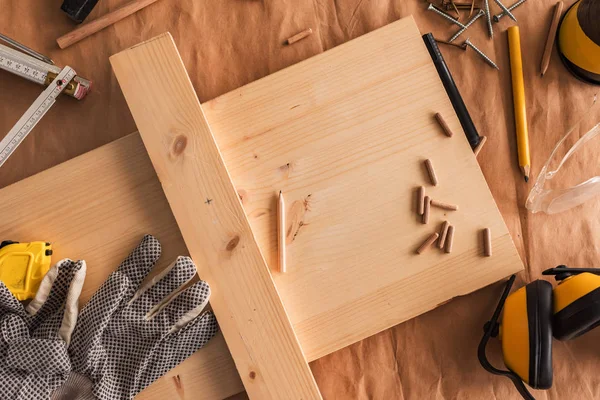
{"points": [[212, 221]]}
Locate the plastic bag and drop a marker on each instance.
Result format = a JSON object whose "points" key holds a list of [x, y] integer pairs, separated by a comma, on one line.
{"points": [[553, 191]]}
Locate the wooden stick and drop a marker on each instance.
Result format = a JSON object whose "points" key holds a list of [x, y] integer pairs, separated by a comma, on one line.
{"points": [[551, 36], [281, 233], [443, 123], [299, 36], [421, 200], [428, 242], [445, 206], [487, 242], [104, 21], [426, 210], [431, 172], [443, 233], [449, 239], [480, 145], [455, 10]]}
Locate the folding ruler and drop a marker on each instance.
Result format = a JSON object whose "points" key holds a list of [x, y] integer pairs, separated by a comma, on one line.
{"points": [[31, 65]]}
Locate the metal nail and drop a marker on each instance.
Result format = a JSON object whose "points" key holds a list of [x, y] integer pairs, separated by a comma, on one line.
{"points": [[486, 7], [481, 54], [506, 10], [468, 24], [443, 14], [460, 46], [502, 14]]}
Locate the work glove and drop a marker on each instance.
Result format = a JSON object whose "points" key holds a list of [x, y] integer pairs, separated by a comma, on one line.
{"points": [[130, 334], [34, 339]]}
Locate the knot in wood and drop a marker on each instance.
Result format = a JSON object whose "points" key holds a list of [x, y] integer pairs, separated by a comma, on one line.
{"points": [[233, 243], [179, 144]]}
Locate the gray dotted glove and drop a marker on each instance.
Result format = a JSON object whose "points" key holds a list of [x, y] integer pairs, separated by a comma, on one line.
{"points": [[34, 340], [129, 334]]}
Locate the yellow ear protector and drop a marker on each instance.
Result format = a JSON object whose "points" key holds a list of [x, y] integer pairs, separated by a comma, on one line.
{"points": [[535, 313], [578, 40]]}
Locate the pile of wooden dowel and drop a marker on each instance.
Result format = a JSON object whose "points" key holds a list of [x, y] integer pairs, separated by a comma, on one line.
{"points": [[445, 235]]}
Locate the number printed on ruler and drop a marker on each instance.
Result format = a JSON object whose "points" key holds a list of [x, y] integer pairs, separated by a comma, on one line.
{"points": [[34, 113], [23, 69], [24, 65]]}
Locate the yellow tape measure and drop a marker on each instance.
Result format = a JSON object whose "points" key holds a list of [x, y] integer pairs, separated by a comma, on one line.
{"points": [[23, 266]]}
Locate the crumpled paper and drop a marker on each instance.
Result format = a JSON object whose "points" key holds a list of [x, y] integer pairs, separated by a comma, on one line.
{"points": [[226, 44]]}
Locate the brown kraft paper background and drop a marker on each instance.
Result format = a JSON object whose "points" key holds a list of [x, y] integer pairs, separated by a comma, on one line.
{"points": [[226, 44]]}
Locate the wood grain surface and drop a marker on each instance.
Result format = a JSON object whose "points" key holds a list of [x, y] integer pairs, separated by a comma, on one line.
{"points": [[212, 221], [344, 135]]}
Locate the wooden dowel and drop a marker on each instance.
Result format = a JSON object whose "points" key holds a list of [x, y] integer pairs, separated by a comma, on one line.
{"points": [[426, 209], [281, 233], [449, 239], [443, 233], [427, 243], [421, 200], [480, 145], [551, 37], [104, 21], [431, 172], [445, 206], [443, 124], [487, 242], [299, 36]]}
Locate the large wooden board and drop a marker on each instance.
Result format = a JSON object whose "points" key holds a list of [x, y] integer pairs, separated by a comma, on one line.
{"points": [[343, 134], [212, 221]]}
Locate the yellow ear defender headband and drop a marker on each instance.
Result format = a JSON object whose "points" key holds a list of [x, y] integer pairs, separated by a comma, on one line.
{"points": [[535, 313]]}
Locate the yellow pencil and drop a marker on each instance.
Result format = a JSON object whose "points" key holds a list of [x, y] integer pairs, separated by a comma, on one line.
{"points": [[518, 86], [281, 232]]}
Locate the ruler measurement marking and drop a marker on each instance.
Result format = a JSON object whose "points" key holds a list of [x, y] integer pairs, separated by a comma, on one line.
{"points": [[34, 113], [25, 66]]}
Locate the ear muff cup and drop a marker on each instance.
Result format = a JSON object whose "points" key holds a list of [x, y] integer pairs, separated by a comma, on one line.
{"points": [[539, 318], [576, 306], [526, 334]]}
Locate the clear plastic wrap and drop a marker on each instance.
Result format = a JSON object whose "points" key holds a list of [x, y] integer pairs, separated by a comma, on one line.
{"points": [[571, 176]]}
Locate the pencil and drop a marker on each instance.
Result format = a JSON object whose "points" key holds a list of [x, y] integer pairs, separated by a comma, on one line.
{"points": [[281, 232], [518, 86], [550, 40]]}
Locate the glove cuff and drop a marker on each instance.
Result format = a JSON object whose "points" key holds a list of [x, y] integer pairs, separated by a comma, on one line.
{"points": [[76, 387]]}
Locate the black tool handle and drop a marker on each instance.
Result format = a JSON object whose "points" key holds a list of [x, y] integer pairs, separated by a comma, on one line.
{"points": [[78, 10], [455, 98]]}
